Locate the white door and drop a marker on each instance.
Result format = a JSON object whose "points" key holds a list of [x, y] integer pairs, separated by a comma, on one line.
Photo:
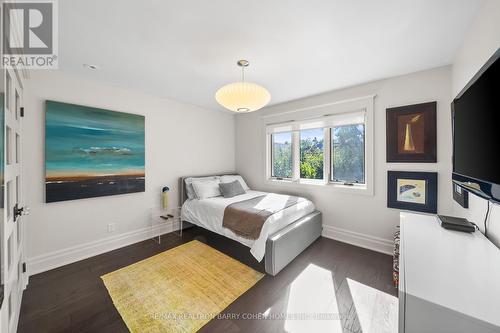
{"points": [[12, 250]]}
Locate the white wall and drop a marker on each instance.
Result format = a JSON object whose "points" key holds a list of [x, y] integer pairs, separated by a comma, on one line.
{"points": [[181, 140], [365, 220], [481, 41]]}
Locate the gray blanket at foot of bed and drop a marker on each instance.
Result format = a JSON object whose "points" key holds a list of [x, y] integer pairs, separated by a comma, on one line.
{"points": [[246, 218]]}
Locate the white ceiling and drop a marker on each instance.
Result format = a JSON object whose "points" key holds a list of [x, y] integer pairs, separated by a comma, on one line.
{"points": [[186, 50]]}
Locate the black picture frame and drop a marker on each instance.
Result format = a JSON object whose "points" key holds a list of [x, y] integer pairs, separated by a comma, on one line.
{"points": [[424, 133], [394, 198]]}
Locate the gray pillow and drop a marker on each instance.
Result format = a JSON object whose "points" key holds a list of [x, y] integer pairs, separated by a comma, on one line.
{"points": [[231, 189]]}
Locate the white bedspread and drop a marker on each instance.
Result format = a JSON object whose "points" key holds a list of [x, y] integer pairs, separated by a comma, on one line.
{"points": [[209, 213]]}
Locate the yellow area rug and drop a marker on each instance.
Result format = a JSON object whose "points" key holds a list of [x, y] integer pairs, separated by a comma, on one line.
{"points": [[178, 290]]}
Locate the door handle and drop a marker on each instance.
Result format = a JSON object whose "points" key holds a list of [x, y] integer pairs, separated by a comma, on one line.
{"points": [[18, 211]]}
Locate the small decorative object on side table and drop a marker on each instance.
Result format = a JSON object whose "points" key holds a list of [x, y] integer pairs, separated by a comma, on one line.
{"points": [[174, 216], [163, 216]]}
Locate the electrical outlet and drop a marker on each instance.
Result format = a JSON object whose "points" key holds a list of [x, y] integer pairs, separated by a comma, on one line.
{"points": [[111, 227]]}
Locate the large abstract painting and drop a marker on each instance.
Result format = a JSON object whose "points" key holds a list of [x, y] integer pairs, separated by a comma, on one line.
{"points": [[91, 152]]}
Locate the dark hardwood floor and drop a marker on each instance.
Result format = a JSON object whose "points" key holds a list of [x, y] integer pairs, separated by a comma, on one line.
{"points": [[327, 275]]}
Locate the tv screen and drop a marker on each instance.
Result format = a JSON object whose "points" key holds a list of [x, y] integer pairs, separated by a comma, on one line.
{"points": [[476, 127]]}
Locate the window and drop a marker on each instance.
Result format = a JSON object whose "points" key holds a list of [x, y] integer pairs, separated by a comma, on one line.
{"points": [[311, 153], [331, 146], [348, 154], [282, 166]]}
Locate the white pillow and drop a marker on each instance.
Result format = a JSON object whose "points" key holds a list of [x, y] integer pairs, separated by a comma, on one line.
{"points": [[232, 178], [189, 184], [206, 188]]}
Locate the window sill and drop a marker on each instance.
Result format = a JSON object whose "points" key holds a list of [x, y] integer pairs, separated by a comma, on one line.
{"points": [[341, 188]]}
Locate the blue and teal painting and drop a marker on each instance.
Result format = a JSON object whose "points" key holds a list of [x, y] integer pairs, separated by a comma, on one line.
{"points": [[91, 152]]}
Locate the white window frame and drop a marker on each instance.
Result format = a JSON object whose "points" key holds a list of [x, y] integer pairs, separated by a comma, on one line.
{"points": [[271, 161], [330, 149], [325, 163], [288, 122]]}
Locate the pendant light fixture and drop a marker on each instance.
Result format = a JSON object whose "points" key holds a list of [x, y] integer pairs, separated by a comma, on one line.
{"points": [[243, 96]]}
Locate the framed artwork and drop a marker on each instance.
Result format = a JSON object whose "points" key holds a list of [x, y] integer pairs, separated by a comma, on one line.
{"points": [[91, 152], [415, 191], [411, 133]]}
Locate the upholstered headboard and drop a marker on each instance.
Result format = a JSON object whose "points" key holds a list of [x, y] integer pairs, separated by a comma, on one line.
{"points": [[182, 184]]}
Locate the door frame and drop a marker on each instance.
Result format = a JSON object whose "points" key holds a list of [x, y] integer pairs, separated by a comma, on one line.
{"points": [[13, 233]]}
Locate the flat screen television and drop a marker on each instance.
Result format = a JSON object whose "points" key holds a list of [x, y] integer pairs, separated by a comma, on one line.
{"points": [[476, 132]]}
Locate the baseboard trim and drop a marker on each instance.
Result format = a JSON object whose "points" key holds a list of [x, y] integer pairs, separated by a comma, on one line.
{"points": [[51, 260], [358, 239]]}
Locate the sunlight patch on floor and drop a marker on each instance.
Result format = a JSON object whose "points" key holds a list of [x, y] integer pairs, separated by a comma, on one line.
{"points": [[312, 295], [377, 311]]}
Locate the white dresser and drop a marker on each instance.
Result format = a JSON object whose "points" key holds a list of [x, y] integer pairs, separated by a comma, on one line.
{"points": [[449, 281]]}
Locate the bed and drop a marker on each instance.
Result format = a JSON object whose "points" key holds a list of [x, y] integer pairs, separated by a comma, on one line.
{"points": [[284, 234]]}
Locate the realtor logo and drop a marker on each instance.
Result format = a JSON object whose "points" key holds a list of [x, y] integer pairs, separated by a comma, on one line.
{"points": [[29, 37]]}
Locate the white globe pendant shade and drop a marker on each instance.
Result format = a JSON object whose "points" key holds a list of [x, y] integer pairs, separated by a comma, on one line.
{"points": [[243, 97]]}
